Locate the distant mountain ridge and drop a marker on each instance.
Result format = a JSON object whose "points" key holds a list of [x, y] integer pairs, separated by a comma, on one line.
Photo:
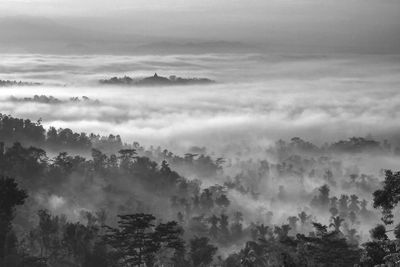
{"points": [[43, 35]]}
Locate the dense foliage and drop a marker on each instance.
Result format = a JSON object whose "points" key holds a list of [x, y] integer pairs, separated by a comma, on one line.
{"points": [[69, 199]]}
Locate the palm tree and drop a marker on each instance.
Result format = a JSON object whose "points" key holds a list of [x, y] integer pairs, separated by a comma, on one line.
{"points": [[304, 218], [213, 220], [293, 222], [354, 203], [336, 223], [262, 231], [224, 224], [343, 202], [253, 255], [352, 236]]}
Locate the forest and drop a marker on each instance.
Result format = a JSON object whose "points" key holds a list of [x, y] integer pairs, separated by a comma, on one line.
{"points": [[17, 83], [85, 200]]}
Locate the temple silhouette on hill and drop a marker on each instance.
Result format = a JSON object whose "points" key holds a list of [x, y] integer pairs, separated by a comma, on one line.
{"points": [[155, 80]]}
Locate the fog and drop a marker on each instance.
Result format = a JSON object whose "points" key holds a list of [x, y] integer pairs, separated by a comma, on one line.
{"points": [[257, 99], [199, 133]]}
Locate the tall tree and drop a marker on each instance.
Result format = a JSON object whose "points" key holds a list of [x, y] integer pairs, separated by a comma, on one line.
{"points": [[224, 227], [10, 197], [237, 226], [389, 196], [293, 222], [328, 249], [169, 237], [133, 241], [213, 220], [136, 241], [201, 252], [336, 223], [79, 241], [354, 203]]}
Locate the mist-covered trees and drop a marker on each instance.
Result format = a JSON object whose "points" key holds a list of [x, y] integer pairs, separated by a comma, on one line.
{"points": [[327, 249], [322, 200], [4, 83], [251, 217], [55, 240], [201, 252], [29, 133], [15, 129]]}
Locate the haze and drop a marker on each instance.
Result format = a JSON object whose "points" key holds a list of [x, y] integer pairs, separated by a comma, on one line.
{"points": [[257, 99], [265, 115], [71, 26]]}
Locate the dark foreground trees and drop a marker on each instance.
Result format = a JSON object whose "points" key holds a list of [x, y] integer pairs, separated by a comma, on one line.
{"points": [[140, 239], [327, 249], [389, 196], [10, 197], [382, 250], [136, 241], [277, 248], [201, 252]]}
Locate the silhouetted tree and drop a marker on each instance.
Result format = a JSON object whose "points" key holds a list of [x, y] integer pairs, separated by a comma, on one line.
{"points": [[79, 240], [10, 197], [343, 205], [328, 248], [224, 227], [213, 220], [237, 226], [222, 201], [322, 200], [136, 241], [354, 203], [201, 252], [388, 197], [206, 200], [336, 223], [378, 232], [133, 241], [293, 223]]}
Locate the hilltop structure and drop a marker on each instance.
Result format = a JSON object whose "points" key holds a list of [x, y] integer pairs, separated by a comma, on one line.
{"points": [[155, 80]]}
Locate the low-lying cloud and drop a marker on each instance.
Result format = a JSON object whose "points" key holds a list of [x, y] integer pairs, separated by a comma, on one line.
{"points": [[257, 100]]}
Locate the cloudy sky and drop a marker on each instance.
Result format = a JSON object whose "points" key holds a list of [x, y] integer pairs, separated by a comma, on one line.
{"points": [[356, 25]]}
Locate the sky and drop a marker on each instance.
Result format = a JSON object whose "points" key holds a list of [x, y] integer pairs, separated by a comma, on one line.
{"points": [[356, 25]]}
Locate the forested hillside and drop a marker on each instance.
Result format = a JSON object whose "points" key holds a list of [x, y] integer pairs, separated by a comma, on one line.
{"points": [[77, 199]]}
